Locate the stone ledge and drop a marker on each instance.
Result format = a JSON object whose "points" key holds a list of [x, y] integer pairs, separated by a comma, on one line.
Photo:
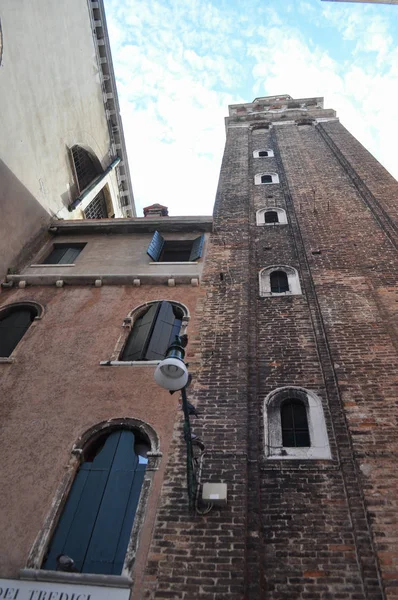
{"points": [[76, 578], [91, 279]]}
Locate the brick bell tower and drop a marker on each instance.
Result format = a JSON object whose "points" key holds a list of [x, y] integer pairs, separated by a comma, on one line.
{"points": [[297, 379]]}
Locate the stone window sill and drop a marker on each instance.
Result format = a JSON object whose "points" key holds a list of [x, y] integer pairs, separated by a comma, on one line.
{"points": [[120, 581], [129, 363], [54, 265], [186, 262], [6, 360]]}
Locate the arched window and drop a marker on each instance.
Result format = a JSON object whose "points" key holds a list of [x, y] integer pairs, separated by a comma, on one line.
{"points": [[279, 282], [266, 178], [271, 216], [294, 425], [153, 331], [86, 166], [96, 522], [15, 320]]}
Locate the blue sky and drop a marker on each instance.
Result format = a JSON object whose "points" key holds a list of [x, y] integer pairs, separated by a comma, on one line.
{"points": [[179, 63]]}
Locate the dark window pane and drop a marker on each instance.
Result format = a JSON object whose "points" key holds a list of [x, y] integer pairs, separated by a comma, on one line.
{"points": [[85, 167], [63, 254], [271, 216], [97, 208], [294, 423], [266, 179], [263, 153], [13, 325], [279, 282]]}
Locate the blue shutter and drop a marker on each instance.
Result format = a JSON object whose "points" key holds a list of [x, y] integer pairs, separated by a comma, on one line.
{"points": [[197, 248], [156, 246], [95, 526], [75, 526], [138, 340], [162, 332]]}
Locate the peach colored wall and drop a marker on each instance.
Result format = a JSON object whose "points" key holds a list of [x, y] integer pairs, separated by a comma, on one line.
{"points": [[56, 389]]}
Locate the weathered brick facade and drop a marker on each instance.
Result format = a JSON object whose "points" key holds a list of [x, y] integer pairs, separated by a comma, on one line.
{"points": [[293, 528]]}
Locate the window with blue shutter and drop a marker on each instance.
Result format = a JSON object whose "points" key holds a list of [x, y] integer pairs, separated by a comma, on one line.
{"points": [[95, 526], [161, 250], [153, 332], [14, 322], [63, 254]]}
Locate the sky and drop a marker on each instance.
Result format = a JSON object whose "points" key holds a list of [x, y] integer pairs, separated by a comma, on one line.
{"points": [[180, 63]]}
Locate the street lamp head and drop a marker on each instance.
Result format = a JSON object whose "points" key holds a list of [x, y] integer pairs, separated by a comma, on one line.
{"points": [[171, 374]]}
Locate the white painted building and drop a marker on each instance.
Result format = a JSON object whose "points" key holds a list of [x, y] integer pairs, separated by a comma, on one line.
{"points": [[62, 150]]}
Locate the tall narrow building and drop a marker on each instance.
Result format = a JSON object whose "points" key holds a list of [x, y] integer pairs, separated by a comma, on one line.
{"points": [[297, 379]]}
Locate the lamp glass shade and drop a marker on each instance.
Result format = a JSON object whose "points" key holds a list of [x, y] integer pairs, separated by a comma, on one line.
{"points": [[171, 374]]}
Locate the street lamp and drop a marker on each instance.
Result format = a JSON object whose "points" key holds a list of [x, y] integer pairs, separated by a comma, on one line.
{"points": [[172, 374]]}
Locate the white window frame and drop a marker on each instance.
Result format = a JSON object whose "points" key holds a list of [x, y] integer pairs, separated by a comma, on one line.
{"points": [[319, 448], [260, 216], [292, 279], [256, 153], [274, 176]]}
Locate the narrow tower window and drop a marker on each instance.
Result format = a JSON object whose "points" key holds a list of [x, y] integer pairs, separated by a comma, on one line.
{"points": [[279, 282], [266, 178], [271, 216], [295, 432]]}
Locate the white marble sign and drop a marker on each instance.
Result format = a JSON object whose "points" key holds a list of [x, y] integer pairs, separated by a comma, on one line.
{"points": [[16, 589]]}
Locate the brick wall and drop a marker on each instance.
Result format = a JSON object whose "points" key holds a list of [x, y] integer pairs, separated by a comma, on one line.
{"points": [[309, 529]]}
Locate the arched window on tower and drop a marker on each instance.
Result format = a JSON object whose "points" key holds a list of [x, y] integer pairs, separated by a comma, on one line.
{"points": [[153, 331], [271, 216], [15, 320], [295, 432], [294, 425], [96, 522], [279, 282], [266, 178]]}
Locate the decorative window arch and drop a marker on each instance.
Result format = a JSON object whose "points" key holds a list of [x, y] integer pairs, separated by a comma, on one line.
{"points": [[266, 178], [99, 509], [294, 425], [86, 168], [148, 331], [15, 320], [279, 217], [263, 153], [283, 277]]}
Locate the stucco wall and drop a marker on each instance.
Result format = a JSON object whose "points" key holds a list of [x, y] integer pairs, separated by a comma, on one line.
{"points": [[114, 254], [50, 98], [56, 390]]}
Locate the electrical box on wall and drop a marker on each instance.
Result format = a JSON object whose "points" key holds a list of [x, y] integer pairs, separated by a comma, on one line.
{"points": [[216, 493]]}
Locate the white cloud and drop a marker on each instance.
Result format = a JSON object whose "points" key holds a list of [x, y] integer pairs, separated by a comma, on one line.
{"points": [[180, 64]]}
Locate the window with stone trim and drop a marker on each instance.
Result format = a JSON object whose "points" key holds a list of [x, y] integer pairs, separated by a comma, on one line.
{"points": [[294, 425], [263, 153], [152, 330], [15, 320], [266, 178], [279, 280], [94, 528], [271, 216]]}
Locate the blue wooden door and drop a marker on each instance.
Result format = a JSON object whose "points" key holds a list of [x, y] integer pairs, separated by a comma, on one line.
{"points": [[95, 526]]}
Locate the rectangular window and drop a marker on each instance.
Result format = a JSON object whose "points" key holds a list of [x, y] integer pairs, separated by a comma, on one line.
{"points": [[63, 254], [161, 250]]}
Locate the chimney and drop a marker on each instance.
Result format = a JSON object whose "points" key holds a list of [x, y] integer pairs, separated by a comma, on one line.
{"points": [[156, 210]]}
